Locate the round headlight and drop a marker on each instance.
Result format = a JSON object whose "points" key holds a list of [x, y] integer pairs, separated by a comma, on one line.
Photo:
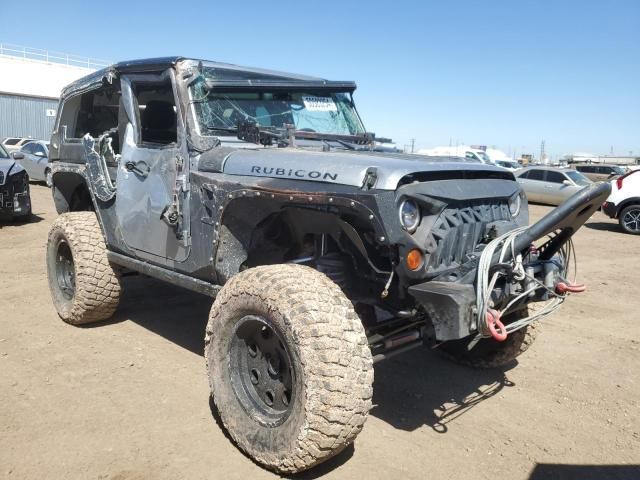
{"points": [[409, 215], [515, 203]]}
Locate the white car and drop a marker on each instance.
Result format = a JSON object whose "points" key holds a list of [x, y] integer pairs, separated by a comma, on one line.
{"points": [[15, 143], [510, 165], [464, 151], [624, 202]]}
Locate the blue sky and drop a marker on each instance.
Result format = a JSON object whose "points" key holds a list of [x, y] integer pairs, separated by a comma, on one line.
{"points": [[504, 73]]}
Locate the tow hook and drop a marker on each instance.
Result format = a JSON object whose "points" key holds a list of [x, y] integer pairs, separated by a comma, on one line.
{"points": [[495, 325], [565, 287]]}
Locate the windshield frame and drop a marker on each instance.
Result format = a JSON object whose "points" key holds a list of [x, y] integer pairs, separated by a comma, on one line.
{"points": [[344, 89], [3, 153]]}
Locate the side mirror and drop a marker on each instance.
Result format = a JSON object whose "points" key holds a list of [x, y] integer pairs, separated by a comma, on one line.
{"points": [[17, 155], [567, 183]]}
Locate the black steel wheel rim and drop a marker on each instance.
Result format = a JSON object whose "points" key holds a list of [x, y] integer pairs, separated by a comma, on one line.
{"points": [[631, 220], [65, 270], [261, 370]]}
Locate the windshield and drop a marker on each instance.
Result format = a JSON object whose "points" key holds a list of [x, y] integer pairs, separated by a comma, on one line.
{"points": [[578, 178], [617, 170], [485, 158], [3, 152], [309, 111]]}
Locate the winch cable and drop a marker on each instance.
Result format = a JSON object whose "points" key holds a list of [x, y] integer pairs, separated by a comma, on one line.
{"points": [[489, 320]]}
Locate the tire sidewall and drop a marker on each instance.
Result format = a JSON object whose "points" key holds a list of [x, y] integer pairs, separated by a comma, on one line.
{"points": [[254, 437], [63, 305]]}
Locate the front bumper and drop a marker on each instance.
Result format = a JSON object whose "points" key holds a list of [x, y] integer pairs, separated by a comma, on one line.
{"points": [[610, 209], [15, 200], [451, 306]]}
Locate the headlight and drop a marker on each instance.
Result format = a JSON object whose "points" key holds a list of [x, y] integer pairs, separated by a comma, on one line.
{"points": [[409, 215], [515, 203]]}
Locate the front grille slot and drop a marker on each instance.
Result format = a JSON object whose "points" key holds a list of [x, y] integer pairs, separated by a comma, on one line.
{"points": [[457, 232]]}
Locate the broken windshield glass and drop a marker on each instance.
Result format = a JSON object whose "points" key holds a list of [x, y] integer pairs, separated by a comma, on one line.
{"points": [[308, 111]]}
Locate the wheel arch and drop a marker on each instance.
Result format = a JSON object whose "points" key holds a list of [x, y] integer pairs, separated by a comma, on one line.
{"points": [[70, 192], [264, 229], [626, 203]]}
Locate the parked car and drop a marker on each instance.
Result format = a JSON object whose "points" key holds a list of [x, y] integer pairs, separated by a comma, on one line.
{"points": [[34, 157], [464, 151], [623, 203], [599, 173], [15, 201], [550, 185], [11, 144], [510, 165]]}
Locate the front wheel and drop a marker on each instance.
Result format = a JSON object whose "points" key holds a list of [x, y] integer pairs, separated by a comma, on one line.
{"points": [[490, 353], [629, 219], [289, 366]]}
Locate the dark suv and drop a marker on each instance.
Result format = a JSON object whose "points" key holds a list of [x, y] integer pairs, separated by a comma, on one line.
{"points": [[264, 190], [598, 173]]}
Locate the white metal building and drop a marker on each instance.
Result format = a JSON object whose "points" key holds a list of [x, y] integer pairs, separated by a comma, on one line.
{"points": [[30, 84]]}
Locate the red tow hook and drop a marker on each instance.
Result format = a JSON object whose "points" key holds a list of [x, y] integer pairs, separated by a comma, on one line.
{"points": [[562, 288], [495, 325]]}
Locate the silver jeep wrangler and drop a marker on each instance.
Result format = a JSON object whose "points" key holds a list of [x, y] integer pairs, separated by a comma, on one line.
{"points": [[324, 254]]}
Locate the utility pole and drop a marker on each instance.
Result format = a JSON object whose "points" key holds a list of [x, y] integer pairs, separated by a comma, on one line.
{"points": [[413, 145]]}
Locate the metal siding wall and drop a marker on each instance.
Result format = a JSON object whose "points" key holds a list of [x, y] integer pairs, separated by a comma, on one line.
{"points": [[26, 116]]}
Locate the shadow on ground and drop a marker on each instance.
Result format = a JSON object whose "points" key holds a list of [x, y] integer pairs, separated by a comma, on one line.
{"points": [[554, 471], [421, 388], [415, 389], [18, 222], [177, 314], [604, 226]]}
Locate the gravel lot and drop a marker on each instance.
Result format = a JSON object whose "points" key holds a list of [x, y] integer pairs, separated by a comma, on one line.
{"points": [[129, 399]]}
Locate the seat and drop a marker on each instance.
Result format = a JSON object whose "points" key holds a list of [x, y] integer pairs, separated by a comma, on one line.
{"points": [[159, 123]]}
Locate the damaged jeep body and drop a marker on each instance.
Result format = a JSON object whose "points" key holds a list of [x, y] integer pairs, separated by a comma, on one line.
{"points": [[198, 171]]}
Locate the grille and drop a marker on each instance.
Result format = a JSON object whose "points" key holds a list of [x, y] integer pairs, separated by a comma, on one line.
{"points": [[457, 232]]}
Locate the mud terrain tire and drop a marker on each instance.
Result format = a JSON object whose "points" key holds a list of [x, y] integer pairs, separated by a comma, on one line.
{"points": [[329, 363], [84, 286], [489, 353]]}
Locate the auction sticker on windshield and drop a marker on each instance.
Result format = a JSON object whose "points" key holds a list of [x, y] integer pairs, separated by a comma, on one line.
{"points": [[319, 104]]}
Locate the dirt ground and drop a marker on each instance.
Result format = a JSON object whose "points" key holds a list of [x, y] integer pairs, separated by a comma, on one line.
{"points": [[129, 399]]}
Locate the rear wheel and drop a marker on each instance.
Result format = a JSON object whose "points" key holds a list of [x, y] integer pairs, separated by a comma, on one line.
{"points": [[629, 219], [289, 366], [489, 353], [84, 286]]}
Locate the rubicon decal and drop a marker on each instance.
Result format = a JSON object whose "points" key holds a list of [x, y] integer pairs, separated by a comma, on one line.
{"points": [[294, 173]]}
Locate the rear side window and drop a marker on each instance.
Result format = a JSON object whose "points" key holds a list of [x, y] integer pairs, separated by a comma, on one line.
{"points": [[11, 141], [94, 112], [555, 177], [536, 175]]}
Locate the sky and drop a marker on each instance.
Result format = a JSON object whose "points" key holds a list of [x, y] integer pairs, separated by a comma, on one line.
{"points": [[503, 73]]}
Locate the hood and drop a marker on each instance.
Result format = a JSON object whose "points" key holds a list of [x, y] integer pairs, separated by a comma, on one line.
{"points": [[8, 167], [341, 167]]}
